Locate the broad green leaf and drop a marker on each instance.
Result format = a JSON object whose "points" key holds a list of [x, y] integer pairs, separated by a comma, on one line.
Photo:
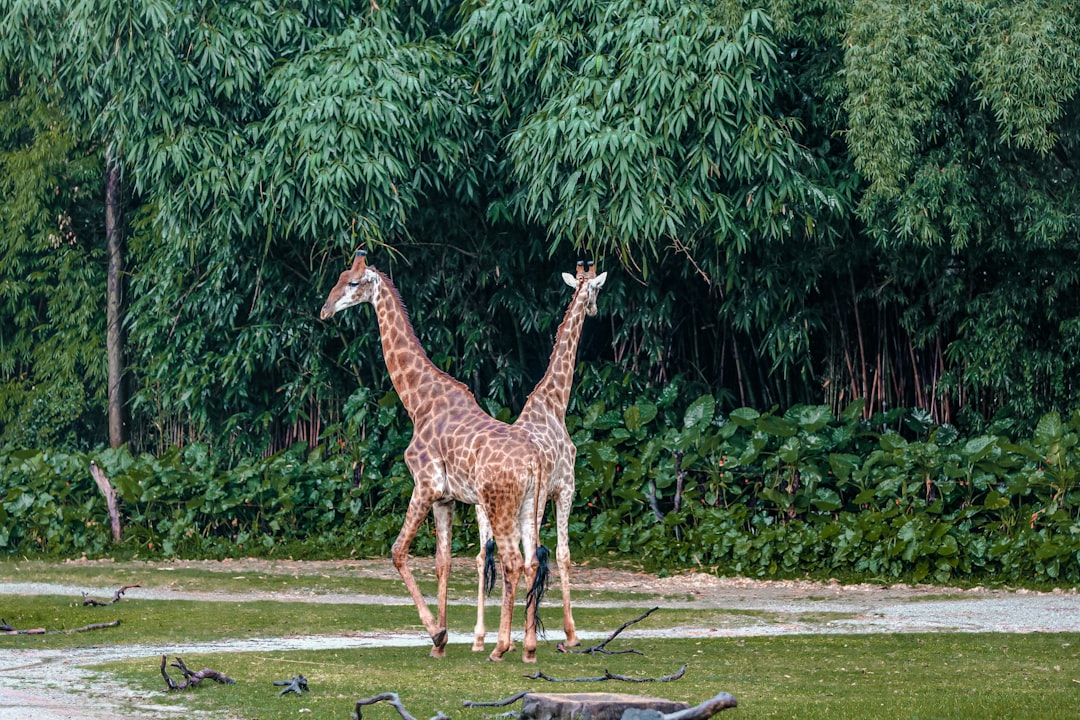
{"points": [[700, 413], [1049, 430], [744, 417], [810, 418], [776, 426]]}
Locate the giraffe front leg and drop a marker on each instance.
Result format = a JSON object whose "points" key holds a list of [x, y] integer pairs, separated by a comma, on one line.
{"points": [[444, 519], [415, 515]]}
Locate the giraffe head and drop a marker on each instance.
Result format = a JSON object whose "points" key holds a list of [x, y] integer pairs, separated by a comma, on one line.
{"points": [[356, 285], [586, 281]]}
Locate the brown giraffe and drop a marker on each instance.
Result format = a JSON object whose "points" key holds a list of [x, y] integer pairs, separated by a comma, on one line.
{"points": [[457, 452], [544, 419]]}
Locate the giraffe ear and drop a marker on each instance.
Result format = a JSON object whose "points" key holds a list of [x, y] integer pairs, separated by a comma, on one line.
{"points": [[598, 281], [569, 280]]}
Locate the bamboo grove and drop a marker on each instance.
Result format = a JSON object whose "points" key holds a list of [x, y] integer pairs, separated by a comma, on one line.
{"points": [[798, 203]]}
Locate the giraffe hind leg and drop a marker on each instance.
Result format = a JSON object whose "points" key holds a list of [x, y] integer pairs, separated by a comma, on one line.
{"points": [[562, 559]]}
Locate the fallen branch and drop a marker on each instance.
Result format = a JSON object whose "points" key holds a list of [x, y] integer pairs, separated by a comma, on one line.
{"points": [[394, 700], [297, 685], [191, 679], [6, 629], [84, 628], [601, 647], [538, 675], [115, 599], [705, 710], [606, 706], [497, 703]]}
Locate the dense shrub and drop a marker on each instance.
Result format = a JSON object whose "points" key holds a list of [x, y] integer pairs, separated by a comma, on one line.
{"points": [[758, 494]]}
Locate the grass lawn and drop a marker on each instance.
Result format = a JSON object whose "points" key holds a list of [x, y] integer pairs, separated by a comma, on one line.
{"points": [[903, 676]]}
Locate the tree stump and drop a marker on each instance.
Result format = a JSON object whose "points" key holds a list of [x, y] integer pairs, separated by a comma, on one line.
{"points": [[110, 500], [591, 706]]}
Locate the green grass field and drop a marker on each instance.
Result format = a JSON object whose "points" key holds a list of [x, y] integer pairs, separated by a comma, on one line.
{"points": [[808, 677]]}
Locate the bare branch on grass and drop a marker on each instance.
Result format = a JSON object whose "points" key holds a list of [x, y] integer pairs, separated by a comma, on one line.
{"points": [[89, 601], [497, 703], [538, 675], [6, 629], [191, 679], [297, 685], [601, 648], [394, 700]]}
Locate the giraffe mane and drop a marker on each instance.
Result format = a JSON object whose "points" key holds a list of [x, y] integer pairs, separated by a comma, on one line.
{"points": [[396, 296]]}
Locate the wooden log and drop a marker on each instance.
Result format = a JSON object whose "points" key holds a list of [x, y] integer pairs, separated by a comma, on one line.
{"points": [[110, 500], [592, 706]]}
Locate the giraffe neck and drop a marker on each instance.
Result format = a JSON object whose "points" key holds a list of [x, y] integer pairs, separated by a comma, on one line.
{"points": [[418, 382], [553, 390]]}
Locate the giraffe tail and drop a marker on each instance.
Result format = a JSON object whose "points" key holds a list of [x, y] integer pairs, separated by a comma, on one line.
{"points": [[540, 584], [489, 566]]}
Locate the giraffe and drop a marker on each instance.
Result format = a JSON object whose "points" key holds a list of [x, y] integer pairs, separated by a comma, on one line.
{"points": [[457, 452], [544, 419]]}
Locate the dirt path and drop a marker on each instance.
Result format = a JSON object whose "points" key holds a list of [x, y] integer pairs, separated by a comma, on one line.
{"points": [[55, 685]]}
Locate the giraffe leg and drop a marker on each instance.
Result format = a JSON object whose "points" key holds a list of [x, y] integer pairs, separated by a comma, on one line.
{"points": [[511, 566], [529, 528], [444, 519], [484, 529], [563, 504], [418, 509]]}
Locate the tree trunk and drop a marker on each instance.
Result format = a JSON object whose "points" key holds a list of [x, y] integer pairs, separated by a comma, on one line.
{"points": [[114, 337], [594, 706]]}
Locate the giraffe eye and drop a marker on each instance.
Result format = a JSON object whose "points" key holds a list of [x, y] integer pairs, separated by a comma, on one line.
{"points": [[354, 283]]}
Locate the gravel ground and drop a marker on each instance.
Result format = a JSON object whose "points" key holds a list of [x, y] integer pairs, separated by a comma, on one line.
{"points": [[56, 684]]}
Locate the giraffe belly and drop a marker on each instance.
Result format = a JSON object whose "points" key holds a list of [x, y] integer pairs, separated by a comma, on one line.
{"points": [[454, 486]]}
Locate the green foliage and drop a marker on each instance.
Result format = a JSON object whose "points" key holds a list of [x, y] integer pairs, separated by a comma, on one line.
{"points": [[807, 492], [644, 123], [812, 202], [760, 494], [51, 335]]}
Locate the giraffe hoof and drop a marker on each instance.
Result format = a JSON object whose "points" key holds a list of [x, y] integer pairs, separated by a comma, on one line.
{"points": [[528, 657], [495, 656], [437, 652], [478, 646], [439, 639]]}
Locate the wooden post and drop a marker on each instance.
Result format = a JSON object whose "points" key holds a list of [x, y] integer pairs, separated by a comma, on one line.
{"points": [[110, 499]]}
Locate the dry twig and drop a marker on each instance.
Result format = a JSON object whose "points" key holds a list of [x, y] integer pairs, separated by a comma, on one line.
{"points": [[538, 675], [601, 647], [191, 679], [115, 599], [6, 629], [394, 700], [297, 685], [497, 703]]}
